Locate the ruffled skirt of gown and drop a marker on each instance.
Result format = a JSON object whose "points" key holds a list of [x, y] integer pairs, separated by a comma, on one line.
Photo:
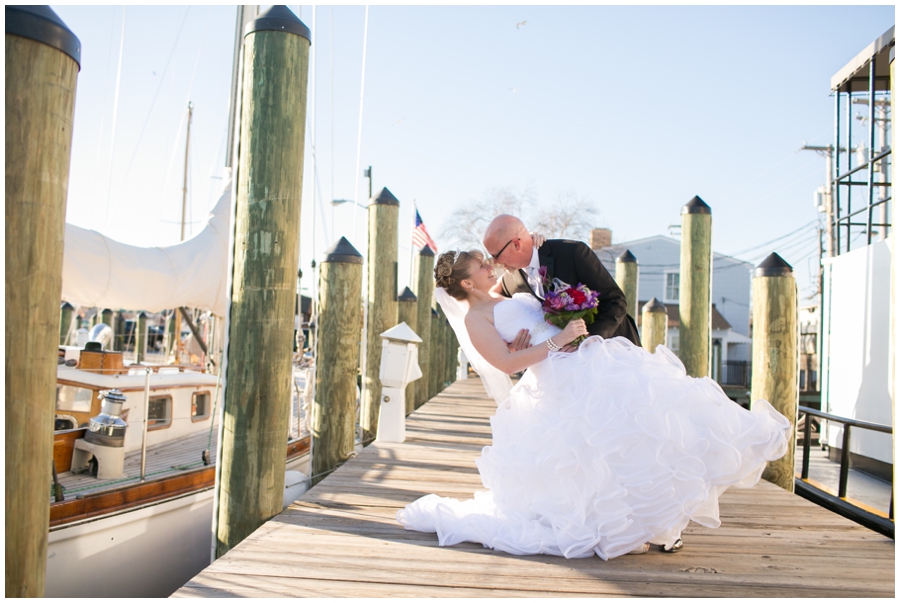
{"points": [[602, 450]]}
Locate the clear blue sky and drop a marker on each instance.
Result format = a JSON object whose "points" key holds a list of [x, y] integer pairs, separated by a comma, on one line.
{"points": [[636, 108]]}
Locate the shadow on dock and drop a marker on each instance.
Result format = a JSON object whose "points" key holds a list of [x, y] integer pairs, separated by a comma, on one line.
{"points": [[341, 538]]}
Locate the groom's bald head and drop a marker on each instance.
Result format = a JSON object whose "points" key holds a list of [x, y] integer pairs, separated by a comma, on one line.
{"points": [[507, 241]]}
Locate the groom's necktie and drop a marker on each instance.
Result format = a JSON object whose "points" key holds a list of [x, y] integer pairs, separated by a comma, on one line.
{"points": [[534, 280]]}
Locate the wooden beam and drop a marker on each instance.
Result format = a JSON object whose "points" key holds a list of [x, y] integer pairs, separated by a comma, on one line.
{"points": [[384, 213], [333, 414], [694, 290], [41, 72], [775, 357], [268, 190]]}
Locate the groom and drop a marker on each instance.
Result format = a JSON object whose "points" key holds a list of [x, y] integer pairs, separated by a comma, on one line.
{"points": [[508, 242]]}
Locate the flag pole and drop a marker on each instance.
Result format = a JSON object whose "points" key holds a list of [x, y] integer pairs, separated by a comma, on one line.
{"points": [[412, 248]]}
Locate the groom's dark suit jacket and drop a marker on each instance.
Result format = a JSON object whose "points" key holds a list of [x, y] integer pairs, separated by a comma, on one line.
{"points": [[574, 262]]}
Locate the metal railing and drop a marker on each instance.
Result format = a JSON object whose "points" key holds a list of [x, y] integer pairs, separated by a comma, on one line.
{"points": [[839, 504], [735, 372]]}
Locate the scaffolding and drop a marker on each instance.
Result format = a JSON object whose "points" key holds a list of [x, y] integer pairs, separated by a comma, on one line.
{"points": [[867, 167]]}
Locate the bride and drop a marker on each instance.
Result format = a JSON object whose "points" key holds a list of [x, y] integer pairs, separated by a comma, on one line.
{"points": [[603, 449]]}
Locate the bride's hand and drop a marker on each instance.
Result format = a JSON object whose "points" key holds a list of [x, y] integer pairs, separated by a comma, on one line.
{"points": [[537, 238], [521, 342], [573, 330]]}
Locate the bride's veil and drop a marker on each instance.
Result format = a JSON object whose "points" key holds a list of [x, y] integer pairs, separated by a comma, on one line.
{"points": [[496, 382]]}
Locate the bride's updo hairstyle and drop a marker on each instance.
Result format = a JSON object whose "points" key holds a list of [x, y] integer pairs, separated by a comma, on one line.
{"points": [[452, 267]]}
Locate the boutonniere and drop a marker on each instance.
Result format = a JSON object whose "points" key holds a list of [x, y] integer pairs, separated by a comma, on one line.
{"points": [[542, 272]]}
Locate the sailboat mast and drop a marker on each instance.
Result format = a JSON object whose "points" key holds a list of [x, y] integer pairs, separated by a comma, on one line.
{"points": [[187, 146]]}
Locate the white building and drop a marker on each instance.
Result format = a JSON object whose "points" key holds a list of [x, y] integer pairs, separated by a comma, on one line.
{"points": [[659, 264]]}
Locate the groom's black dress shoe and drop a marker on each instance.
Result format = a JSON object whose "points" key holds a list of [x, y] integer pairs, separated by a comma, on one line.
{"points": [[673, 549]]}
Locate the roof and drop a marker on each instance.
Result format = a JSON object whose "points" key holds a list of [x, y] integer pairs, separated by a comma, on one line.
{"points": [[854, 76], [719, 323], [610, 253]]}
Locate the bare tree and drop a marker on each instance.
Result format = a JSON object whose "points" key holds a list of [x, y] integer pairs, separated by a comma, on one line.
{"points": [[467, 223], [567, 216]]}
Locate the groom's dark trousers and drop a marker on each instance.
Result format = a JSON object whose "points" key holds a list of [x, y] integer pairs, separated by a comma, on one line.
{"points": [[574, 262]]}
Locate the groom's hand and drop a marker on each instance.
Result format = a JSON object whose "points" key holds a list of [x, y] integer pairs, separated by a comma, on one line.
{"points": [[521, 342]]}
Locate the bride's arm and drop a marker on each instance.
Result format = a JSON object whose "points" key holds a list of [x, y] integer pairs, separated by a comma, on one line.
{"points": [[488, 343]]}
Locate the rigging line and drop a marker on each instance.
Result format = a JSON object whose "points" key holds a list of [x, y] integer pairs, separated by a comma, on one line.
{"points": [[312, 80], [331, 83], [112, 153], [156, 95], [112, 26], [183, 114], [362, 88]]}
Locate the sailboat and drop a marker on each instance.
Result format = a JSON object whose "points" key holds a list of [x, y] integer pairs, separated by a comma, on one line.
{"points": [[134, 465]]}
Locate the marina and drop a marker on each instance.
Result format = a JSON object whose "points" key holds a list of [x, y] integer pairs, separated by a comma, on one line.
{"points": [[342, 539], [242, 410]]}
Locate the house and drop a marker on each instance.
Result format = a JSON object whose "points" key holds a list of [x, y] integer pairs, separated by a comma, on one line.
{"points": [[659, 264]]}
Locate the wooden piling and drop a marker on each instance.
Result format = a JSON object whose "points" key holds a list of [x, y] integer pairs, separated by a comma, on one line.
{"points": [[119, 333], [384, 212], [775, 359], [452, 353], [654, 324], [268, 190], [424, 288], [66, 314], [694, 287], [333, 415], [42, 63], [140, 338], [108, 318], [627, 280], [434, 374], [408, 312]]}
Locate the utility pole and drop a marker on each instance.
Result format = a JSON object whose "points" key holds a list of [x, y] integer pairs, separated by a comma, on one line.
{"points": [[828, 153]]}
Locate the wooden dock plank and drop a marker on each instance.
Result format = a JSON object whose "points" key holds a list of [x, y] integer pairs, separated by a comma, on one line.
{"points": [[342, 539]]}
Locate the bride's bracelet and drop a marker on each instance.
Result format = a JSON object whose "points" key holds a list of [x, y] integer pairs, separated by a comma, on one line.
{"points": [[552, 345]]}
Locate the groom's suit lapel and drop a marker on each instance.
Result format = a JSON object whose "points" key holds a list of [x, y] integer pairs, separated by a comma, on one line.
{"points": [[545, 258]]}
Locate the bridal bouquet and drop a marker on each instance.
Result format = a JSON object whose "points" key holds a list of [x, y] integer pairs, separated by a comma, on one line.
{"points": [[565, 303]]}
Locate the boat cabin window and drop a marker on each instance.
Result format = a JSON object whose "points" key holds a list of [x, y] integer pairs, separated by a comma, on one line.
{"points": [[160, 413], [200, 406], [73, 399]]}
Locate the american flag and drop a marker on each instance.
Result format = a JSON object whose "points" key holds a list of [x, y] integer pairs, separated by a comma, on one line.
{"points": [[420, 235]]}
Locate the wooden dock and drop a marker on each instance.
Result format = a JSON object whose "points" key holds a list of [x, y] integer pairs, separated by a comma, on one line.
{"points": [[341, 537]]}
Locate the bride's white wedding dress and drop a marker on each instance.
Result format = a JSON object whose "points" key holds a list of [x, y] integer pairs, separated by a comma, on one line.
{"points": [[602, 450]]}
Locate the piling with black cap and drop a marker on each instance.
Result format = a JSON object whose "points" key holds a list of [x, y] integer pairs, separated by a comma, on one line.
{"points": [[384, 215], [140, 337], [333, 415], [66, 314], [408, 312], [42, 63], [694, 291], [268, 188], [424, 288], [775, 348], [654, 324], [627, 280]]}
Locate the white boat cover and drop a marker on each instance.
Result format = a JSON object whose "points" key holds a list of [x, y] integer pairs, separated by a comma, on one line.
{"points": [[102, 273]]}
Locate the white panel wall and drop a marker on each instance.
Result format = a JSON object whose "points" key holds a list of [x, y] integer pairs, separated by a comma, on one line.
{"points": [[658, 255], [857, 336]]}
